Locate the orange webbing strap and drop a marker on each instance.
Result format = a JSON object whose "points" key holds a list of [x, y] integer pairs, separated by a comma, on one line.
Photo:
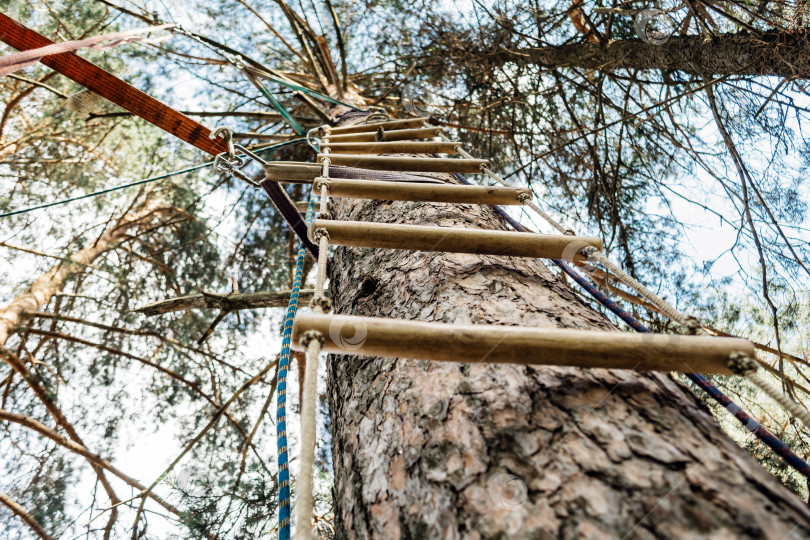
{"points": [[140, 104]]}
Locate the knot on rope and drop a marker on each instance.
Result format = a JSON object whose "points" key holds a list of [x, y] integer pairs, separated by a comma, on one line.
{"points": [[323, 215], [524, 198], [320, 186], [322, 302], [692, 325], [590, 252], [570, 232], [741, 364], [319, 233], [312, 335]]}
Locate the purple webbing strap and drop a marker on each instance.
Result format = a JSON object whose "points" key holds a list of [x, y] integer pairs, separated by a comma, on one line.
{"points": [[337, 171]]}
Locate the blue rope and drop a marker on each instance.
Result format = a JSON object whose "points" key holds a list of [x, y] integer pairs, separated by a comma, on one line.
{"points": [[778, 446], [281, 410], [139, 182], [103, 191]]}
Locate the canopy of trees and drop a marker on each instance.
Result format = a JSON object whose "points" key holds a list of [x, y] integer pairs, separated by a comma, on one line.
{"points": [[676, 135]]}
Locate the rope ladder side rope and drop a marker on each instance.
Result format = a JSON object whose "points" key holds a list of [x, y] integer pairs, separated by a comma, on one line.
{"points": [[313, 342], [741, 365]]}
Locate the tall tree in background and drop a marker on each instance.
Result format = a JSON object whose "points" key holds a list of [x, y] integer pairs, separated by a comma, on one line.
{"points": [[418, 449]]}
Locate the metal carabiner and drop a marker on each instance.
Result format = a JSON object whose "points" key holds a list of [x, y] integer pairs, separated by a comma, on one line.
{"points": [[228, 140], [314, 142]]}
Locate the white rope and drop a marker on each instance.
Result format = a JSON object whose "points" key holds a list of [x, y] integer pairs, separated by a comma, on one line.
{"points": [[788, 404], [304, 500], [690, 323], [313, 341]]}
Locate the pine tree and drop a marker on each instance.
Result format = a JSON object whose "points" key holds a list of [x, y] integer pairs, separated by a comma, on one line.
{"points": [[418, 449]]}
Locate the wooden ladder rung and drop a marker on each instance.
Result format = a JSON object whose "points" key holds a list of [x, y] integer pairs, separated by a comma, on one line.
{"points": [[454, 240], [396, 163], [410, 191], [406, 123], [302, 172], [292, 172], [395, 338], [382, 135], [404, 147]]}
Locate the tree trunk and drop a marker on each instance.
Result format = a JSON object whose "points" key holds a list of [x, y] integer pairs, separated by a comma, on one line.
{"points": [[442, 450], [781, 54]]}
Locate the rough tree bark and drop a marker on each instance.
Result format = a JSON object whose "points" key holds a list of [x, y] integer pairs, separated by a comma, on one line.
{"points": [[441, 450], [782, 54]]}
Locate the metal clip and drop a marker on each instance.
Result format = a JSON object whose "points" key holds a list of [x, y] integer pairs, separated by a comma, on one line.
{"points": [[314, 142], [251, 154], [228, 140], [229, 162]]}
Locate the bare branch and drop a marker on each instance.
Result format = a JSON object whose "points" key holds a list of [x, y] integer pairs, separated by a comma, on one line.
{"points": [[225, 302], [29, 520], [81, 450]]}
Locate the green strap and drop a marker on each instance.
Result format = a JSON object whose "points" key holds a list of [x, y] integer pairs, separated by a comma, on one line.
{"points": [[312, 93], [282, 111]]}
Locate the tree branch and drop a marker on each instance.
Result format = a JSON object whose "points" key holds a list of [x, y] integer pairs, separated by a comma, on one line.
{"points": [[81, 450], [778, 53], [224, 302], [29, 520]]}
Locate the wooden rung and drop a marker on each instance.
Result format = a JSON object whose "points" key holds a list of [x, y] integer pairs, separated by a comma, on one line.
{"points": [[454, 240], [405, 147], [409, 191], [406, 123], [301, 172], [292, 172], [394, 338], [397, 163], [382, 135]]}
